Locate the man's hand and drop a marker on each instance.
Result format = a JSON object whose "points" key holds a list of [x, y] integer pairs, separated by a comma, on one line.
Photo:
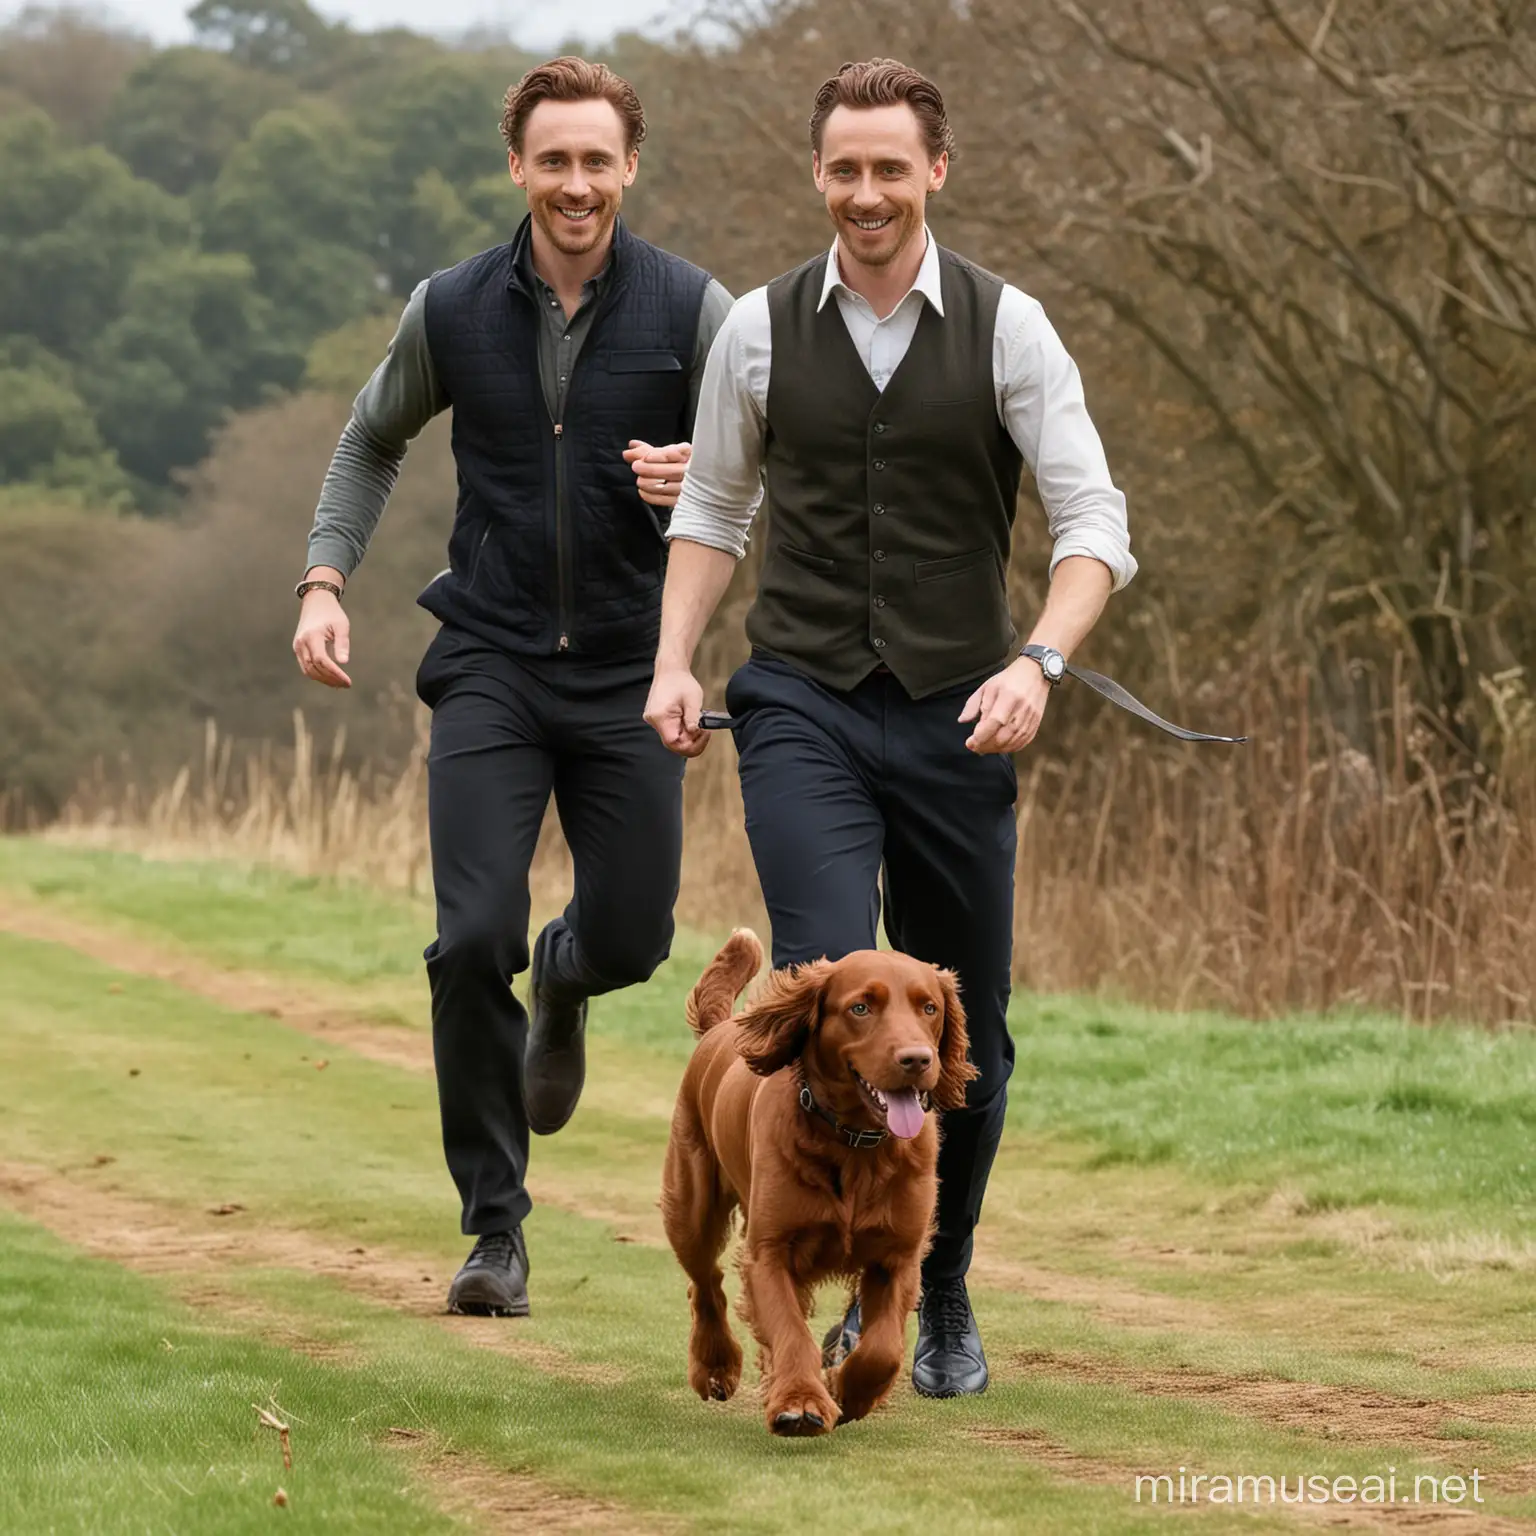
{"points": [[1007, 708], [673, 710], [324, 630], [658, 471]]}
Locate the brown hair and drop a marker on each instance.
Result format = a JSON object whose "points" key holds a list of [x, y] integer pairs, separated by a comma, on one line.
{"points": [[571, 79], [885, 83]]}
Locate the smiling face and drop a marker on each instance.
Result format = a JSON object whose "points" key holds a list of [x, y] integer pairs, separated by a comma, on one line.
{"points": [[574, 167], [874, 171], [878, 1049]]}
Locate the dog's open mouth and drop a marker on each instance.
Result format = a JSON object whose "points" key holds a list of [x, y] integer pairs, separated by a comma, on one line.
{"points": [[900, 1108]]}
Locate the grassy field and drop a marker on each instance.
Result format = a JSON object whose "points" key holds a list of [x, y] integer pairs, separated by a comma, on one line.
{"points": [[1302, 1249]]}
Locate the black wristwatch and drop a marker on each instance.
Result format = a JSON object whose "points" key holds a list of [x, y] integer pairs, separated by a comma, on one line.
{"points": [[1052, 662]]}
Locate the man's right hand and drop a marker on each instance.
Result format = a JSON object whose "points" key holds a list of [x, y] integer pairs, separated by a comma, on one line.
{"points": [[673, 711], [324, 631]]}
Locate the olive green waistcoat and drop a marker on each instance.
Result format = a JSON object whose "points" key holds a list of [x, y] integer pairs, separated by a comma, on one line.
{"points": [[889, 515]]}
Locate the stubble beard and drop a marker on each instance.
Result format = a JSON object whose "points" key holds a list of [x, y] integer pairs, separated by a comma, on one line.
{"points": [[904, 226], [574, 239]]}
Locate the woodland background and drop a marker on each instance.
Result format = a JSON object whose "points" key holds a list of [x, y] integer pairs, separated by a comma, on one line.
{"points": [[1291, 243]]}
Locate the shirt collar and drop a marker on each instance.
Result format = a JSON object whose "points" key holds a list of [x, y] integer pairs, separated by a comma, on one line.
{"points": [[523, 260], [928, 279]]}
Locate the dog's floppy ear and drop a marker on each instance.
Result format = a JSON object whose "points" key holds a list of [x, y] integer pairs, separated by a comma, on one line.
{"points": [[777, 1023], [955, 1071]]}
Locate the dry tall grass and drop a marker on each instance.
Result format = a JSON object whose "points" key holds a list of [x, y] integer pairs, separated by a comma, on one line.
{"points": [[1296, 873]]}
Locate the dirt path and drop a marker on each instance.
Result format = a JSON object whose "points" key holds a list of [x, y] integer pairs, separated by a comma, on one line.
{"points": [[197, 1256], [1326, 1411], [163, 1241], [317, 1008]]}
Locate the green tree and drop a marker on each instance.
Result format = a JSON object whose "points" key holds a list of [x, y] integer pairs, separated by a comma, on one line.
{"points": [[48, 436], [183, 111], [300, 199], [74, 223], [285, 36], [194, 341]]}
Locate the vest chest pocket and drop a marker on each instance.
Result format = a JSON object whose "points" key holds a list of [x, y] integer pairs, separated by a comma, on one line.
{"points": [[644, 362]]}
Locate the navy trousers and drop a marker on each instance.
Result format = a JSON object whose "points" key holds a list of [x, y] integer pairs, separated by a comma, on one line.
{"points": [[846, 793], [507, 732]]}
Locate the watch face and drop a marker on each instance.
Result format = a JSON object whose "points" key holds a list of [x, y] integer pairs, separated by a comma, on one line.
{"points": [[1055, 665]]}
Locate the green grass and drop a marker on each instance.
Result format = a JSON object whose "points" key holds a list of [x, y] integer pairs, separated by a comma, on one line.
{"points": [[128, 1413], [1142, 1156]]}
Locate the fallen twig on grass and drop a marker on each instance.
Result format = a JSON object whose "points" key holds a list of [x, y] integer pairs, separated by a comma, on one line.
{"points": [[271, 1421]]}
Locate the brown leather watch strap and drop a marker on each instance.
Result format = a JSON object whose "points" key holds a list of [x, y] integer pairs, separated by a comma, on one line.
{"points": [[324, 586]]}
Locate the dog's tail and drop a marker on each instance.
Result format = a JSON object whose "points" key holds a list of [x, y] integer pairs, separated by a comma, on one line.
{"points": [[714, 994]]}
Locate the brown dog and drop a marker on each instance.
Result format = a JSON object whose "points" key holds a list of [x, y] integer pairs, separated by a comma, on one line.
{"points": [[809, 1110]]}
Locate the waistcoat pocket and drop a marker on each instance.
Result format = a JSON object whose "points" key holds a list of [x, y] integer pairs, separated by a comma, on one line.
{"points": [[953, 565], [818, 563]]}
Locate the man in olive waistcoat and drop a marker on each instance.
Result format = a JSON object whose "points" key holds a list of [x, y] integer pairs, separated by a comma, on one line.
{"points": [[886, 396]]}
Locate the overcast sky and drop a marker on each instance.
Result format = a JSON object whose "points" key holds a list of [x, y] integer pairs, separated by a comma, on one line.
{"points": [[534, 23]]}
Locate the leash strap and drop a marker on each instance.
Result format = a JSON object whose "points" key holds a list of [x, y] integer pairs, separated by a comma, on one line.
{"points": [[1111, 690]]}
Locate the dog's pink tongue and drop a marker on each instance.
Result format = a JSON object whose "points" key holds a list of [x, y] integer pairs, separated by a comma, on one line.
{"points": [[903, 1113]]}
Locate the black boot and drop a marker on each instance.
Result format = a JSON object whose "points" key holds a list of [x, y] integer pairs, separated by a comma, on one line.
{"points": [[494, 1279], [841, 1337], [949, 1361], [555, 1061]]}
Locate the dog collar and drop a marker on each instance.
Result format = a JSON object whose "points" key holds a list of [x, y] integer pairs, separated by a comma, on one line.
{"points": [[846, 1133]]}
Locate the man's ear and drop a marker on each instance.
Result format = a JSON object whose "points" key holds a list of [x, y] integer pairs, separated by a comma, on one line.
{"points": [[778, 1022], [515, 167], [955, 1069]]}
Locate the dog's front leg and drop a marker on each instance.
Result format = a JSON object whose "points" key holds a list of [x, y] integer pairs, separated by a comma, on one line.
{"points": [[797, 1401], [886, 1298]]}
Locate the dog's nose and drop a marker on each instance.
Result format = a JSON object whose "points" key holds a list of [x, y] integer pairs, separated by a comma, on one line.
{"points": [[916, 1059]]}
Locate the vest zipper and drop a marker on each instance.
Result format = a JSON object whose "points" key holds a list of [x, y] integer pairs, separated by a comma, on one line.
{"points": [[565, 639]]}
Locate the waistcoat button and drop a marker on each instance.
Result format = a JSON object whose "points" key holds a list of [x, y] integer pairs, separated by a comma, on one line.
{"points": [[879, 554]]}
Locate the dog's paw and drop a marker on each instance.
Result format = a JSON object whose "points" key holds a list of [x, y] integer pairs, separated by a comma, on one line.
{"points": [[801, 1410], [716, 1375], [862, 1383]]}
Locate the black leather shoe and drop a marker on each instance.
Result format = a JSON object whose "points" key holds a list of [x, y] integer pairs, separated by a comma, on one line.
{"points": [[494, 1279], [841, 1337], [555, 1061], [949, 1361]]}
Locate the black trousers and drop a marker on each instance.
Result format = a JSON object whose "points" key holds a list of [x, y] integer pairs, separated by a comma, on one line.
{"points": [[507, 732], [846, 792]]}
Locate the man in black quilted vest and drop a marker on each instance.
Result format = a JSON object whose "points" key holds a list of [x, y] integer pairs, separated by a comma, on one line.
{"points": [[571, 360], [888, 394]]}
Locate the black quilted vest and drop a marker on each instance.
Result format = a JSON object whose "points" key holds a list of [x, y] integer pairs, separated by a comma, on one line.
{"points": [[552, 549]]}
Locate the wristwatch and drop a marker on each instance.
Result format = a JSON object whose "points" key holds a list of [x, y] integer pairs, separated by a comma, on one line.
{"points": [[1052, 662]]}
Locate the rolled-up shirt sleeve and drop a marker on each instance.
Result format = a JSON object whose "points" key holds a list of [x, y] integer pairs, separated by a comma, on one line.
{"points": [[1040, 400], [724, 484]]}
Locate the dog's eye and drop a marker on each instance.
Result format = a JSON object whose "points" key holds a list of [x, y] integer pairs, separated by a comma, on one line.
{"points": [[930, 1008], [858, 1010]]}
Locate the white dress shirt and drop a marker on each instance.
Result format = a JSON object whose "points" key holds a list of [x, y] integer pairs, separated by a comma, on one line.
{"points": [[1039, 402]]}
